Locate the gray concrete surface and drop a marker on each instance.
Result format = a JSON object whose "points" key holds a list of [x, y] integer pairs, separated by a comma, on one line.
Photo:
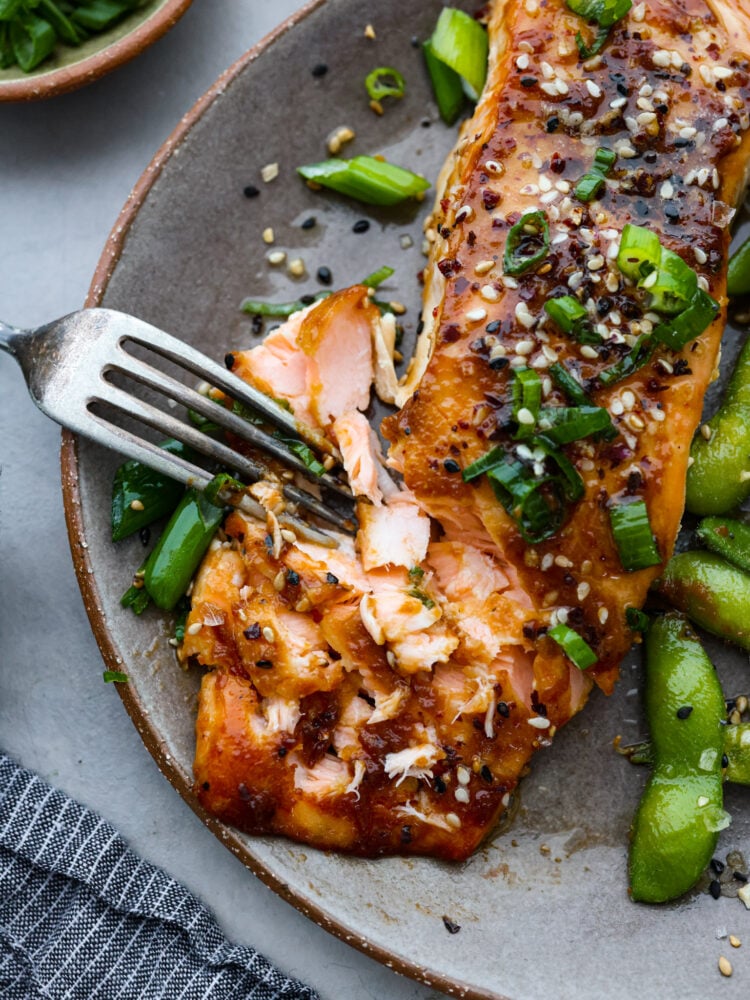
{"points": [[66, 167]]}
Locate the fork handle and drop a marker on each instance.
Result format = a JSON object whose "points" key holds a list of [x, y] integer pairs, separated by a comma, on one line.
{"points": [[10, 337]]}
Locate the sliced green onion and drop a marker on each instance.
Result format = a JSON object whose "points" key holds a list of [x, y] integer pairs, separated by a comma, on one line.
{"points": [[377, 86], [639, 253], [136, 598], [377, 277], [691, 322], [572, 318], [637, 620], [446, 85], [587, 51], [279, 310], [602, 12], [633, 536], [738, 275], [303, 452], [421, 596], [527, 398], [564, 424], [527, 243], [461, 43], [495, 456], [572, 484], [536, 505], [672, 285], [590, 184], [566, 383], [223, 481], [574, 646], [114, 677], [640, 354], [366, 179]]}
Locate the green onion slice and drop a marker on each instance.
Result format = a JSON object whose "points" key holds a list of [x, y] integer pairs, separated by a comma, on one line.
{"points": [[537, 505], [377, 277], [483, 464], [640, 252], [637, 620], [527, 398], [378, 86], [446, 85], [570, 480], [114, 677], [278, 310], [633, 536], [572, 318], [640, 354], [689, 324], [136, 598], [564, 424], [303, 452], [587, 51], [527, 243], [602, 12], [461, 43], [591, 183], [366, 179], [574, 646], [566, 383]]}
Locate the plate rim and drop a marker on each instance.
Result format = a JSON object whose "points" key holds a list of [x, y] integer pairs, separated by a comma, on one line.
{"points": [[87, 581], [67, 78]]}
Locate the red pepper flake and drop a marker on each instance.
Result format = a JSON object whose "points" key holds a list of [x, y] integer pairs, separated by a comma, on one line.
{"points": [[449, 266], [490, 199]]}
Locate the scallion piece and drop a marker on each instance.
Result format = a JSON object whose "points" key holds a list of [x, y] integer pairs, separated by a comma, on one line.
{"points": [[572, 318], [631, 529], [114, 677], [590, 184], [637, 620], [527, 243], [564, 424], [378, 87], [303, 452], [640, 354], [569, 385], [672, 285], [601, 12], [527, 398], [537, 505], [587, 51], [136, 598], [574, 646], [484, 463], [461, 43], [570, 480], [689, 324], [446, 85], [366, 179], [278, 310], [377, 278], [639, 253]]}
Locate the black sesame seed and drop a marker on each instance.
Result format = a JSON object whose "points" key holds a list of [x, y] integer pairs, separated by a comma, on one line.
{"points": [[229, 361], [206, 786], [145, 535], [282, 751], [425, 123], [264, 664], [407, 431], [440, 785], [253, 632], [494, 325], [717, 866], [450, 926], [724, 760], [739, 877], [309, 222], [324, 275], [292, 578], [414, 42], [528, 81], [671, 211], [256, 325], [497, 364], [486, 774], [502, 709], [715, 889], [361, 226], [553, 123], [684, 711], [320, 70], [650, 156], [251, 191], [451, 466], [330, 578], [307, 300]]}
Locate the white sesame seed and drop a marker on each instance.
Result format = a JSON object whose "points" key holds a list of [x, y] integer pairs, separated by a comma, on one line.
{"points": [[540, 362], [194, 629], [595, 263], [563, 187], [405, 241], [688, 132], [562, 87], [677, 60], [635, 422], [453, 821], [575, 280], [463, 774], [589, 352], [268, 634], [603, 615], [465, 214], [476, 315], [593, 89], [719, 124], [489, 293], [645, 118], [703, 283], [700, 255], [297, 267], [705, 71], [493, 167], [525, 416], [530, 189], [524, 316], [661, 58], [563, 562], [268, 235], [484, 267], [545, 184], [706, 432], [270, 172], [276, 257], [547, 561], [619, 102], [722, 72], [583, 590], [616, 408], [658, 415], [509, 281], [547, 71], [524, 347], [137, 505], [523, 61], [288, 536], [461, 795], [538, 722], [638, 13], [549, 88], [548, 197], [628, 399]]}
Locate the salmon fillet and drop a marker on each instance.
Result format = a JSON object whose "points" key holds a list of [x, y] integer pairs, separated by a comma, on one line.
{"points": [[387, 697]]}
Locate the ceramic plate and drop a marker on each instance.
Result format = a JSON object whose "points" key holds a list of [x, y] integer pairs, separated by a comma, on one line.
{"points": [[69, 68], [543, 907]]}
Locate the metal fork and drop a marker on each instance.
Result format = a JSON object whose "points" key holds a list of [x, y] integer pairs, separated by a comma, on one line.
{"points": [[68, 366]]}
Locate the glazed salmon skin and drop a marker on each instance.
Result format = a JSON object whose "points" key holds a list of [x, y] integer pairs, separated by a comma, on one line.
{"points": [[386, 696]]}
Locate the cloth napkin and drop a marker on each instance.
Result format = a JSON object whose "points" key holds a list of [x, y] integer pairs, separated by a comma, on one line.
{"points": [[83, 918]]}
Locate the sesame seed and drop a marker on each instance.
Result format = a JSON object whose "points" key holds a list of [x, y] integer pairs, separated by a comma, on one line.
{"points": [[603, 615], [524, 347], [532, 190], [524, 316], [489, 293], [525, 416], [465, 214], [549, 88], [268, 236], [279, 581], [136, 505], [658, 415], [583, 591], [268, 634], [493, 167], [562, 87], [461, 795], [638, 13], [593, 89], [463, 775], [700, 255], [706, 432], [563, 562], [667, 190], [194, 629], [453, 820], [270, 172], [476, 315], [370, 32], [722, 72], [484, 267], [539, 722], [547, 561], [297, 267], [288, 536], [619, 102], [339, 137], [276, 257], [688, 132], [509, 281], [734, 941], [635, 422], [523, 61], [595, 263], [725, 966], [361, 226], [589, 352]]}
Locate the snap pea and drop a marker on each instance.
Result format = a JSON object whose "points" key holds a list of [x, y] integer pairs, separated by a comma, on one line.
{"points": [[171, 566], [738, 272], [681, 812], [718, 480], [737, 753], [711, 592], [728, 537], [154, 494]]}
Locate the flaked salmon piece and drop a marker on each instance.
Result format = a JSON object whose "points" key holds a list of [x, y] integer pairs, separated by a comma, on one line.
{"points": [[354, 437], [387, 698]]}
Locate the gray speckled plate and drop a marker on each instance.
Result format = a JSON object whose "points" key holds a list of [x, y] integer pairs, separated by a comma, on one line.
{"points": [[543, 907]]}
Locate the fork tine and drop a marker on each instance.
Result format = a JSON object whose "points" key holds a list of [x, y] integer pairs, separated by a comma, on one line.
{"points": [[204, 367], [172, 427], [140, 450], [161, 382]]}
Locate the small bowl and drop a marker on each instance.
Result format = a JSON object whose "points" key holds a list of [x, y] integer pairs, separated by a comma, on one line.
{"points": [[69, 68]]}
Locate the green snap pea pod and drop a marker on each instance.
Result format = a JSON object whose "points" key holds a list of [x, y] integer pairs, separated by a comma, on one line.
{"points": [[738, 273], [737, 753], [681, 811], [153, 494], [171, 566], [719, 479], [711, 592], [728, 537]]}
